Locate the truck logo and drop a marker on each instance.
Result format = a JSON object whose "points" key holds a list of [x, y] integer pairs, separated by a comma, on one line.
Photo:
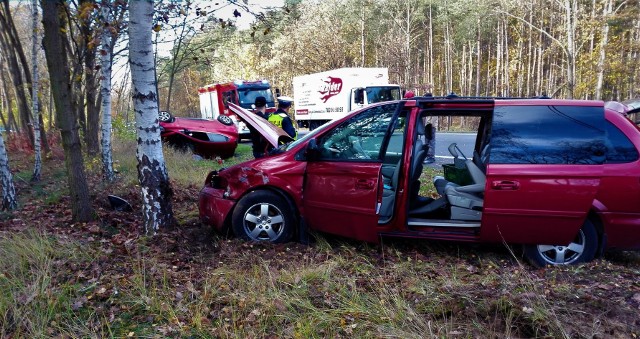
{"points": [[331, 87]]}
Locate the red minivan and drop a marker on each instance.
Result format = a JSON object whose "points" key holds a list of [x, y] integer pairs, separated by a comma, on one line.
{"points": [[560, 177]]}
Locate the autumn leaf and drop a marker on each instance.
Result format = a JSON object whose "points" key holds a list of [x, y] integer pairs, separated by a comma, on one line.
{"points": [[157, 28]]}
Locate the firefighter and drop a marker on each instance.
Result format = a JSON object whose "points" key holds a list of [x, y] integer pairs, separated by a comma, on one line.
{"points": [[281, 117]]}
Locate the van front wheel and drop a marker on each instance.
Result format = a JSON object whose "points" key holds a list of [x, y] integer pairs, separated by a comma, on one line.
{"points": [[582, 249], [263, 216]]}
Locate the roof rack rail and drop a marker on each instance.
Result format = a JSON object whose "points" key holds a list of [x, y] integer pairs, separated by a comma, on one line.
{"points": [[452, 95]]}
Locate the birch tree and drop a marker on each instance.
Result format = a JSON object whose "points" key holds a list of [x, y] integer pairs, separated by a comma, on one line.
{"points": [[9, 201], [56, 47], [37, 166], [152, 173], [105, 91]]}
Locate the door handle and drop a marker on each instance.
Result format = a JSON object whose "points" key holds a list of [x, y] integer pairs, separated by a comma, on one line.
{"points": [[505, 185], [364, 184]]}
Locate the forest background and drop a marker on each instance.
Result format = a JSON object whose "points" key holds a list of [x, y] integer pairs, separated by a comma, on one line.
{"points": [[563, 49]]}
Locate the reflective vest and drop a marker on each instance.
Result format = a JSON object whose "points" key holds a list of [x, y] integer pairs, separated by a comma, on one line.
{"points": [[276, 118]]}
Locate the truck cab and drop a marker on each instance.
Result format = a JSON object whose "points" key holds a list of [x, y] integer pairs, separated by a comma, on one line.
{"points": [[215, 99]]}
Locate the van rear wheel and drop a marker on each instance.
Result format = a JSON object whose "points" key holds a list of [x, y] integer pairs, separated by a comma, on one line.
{"points": [[582, 249]]}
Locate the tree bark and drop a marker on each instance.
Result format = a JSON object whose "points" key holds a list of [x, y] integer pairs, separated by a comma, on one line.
{"points": [[152, 172], [105, 90], [56, 52], [37, 166], [9, 201], [17, 78], [91, 84]]}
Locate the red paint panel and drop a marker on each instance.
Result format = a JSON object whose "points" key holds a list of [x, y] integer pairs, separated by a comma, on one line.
{"points": [[548, 204], [619, 194], [341, 198]]}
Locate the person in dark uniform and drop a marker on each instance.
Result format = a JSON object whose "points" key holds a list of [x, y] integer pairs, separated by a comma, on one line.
{"points": [[281, 117], [259, 144]]}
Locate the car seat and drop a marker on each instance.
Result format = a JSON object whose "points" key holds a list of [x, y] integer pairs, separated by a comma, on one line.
{"points": [[467, 201]]}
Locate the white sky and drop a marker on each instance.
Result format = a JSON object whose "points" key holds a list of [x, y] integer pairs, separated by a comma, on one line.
{"points": [[223, 10]]}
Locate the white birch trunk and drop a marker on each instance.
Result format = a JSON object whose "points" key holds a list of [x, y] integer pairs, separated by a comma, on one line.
{"points": [[37, 166], [152, 172], [9, 201], [105, 92], [603, 48]]}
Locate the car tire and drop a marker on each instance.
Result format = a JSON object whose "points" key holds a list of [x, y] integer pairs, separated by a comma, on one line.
{"points": [[582, 249], [165, 116], [263, 216], [225, 120]]}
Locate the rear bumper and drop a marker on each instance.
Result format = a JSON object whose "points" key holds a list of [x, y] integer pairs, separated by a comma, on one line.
{"points": [[213, 208]]}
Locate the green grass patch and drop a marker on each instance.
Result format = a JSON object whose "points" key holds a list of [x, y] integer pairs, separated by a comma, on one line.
{"points": [[34, 302]]}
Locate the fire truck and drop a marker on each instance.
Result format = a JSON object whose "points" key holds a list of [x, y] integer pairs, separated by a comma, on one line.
{"points": [[214, 99]]}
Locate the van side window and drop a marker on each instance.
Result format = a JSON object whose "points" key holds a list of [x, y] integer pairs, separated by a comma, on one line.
{"points": [[359, 138], [548, 135], [619, 148]]}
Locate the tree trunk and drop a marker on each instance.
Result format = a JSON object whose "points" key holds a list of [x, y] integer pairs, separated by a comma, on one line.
{"points": [[9, 201], [603, 47], [18, 83], [37, 166], [152, 173], [571, 8], [54, 20], [12, 124], [91, 85], [105, 91]]}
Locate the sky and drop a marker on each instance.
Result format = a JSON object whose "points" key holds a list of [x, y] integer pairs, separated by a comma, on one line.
{"points": [[224, 9]]}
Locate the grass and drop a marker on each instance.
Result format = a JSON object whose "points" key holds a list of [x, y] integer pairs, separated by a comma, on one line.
{"points": [[32, 302], [63, 280]]}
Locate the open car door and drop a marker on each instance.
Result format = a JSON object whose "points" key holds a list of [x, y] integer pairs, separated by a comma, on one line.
{"points": [[342, 181]]}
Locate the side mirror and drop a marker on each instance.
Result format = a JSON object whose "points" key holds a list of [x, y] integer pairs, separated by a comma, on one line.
{"points": [[277, 92], [358, 94], [312, 152]]}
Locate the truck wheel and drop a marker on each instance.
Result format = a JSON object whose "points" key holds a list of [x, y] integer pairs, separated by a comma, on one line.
{"points": [[313, 125]]}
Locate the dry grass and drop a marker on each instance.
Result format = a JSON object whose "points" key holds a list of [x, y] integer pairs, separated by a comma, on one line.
{"points": [[103, 279]]}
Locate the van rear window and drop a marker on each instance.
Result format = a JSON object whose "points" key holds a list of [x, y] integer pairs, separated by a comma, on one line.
{"points": [[548, 135]]}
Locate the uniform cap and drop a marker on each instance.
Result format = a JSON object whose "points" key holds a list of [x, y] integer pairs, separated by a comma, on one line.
{"points": [[261, 102], [285, 101]]}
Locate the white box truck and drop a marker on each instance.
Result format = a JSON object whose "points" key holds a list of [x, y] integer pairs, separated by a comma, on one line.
{"points": [[324, 96]]}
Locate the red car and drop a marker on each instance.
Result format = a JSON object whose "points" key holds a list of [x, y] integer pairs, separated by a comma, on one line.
{"points": [[208, 138], [560, 177]]}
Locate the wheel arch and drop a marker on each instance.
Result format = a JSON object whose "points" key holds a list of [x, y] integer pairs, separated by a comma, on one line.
{"points": [[595, 217], [280, 192]]}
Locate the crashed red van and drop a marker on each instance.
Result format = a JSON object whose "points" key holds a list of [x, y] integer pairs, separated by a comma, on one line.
{"points": [[560, 177]]}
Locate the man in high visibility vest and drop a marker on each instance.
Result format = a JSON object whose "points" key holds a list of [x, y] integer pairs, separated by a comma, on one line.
{"points": [[281, 117]]}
